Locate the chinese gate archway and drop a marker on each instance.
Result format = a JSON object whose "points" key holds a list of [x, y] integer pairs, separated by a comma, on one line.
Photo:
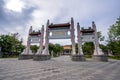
{"points": [[61, 31], [90, 35], [33, 37], [58, 31]]}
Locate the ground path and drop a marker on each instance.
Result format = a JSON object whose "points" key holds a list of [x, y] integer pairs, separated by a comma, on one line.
{"points": [[61, 68]]}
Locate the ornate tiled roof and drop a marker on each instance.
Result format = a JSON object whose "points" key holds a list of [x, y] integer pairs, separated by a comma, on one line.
{"points": [[35, 33], [59, 25]]}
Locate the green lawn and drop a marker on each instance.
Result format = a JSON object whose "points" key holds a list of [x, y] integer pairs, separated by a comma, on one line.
{"points": [[115, 57]]}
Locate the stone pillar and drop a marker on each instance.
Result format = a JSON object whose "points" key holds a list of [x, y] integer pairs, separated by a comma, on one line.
{"points": [[96, 43], [73, 37], [27, 53], [98, 55], [42, 37], [39, 55], [45, 53], [97, 50], [39, 52], [80, 52], [80, 56]]}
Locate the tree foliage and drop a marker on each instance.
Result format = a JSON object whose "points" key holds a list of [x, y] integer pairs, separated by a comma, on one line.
{"points": [[34, 48], [55, 49], [114, 31], [10, 45], [114, 38], [88, 48], [100, 36]]}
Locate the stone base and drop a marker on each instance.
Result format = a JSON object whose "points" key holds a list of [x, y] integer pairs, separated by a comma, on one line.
{"points": [[25, 57], [78, 58], [100, 58], [41, 57]]}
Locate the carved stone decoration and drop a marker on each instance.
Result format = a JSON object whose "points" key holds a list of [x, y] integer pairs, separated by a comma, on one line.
{"points": [[59, 31]]}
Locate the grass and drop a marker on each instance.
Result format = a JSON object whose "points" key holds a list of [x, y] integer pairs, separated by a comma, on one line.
{"points": [[88, 56], [115, 57], [110, 57], [9, 57]]}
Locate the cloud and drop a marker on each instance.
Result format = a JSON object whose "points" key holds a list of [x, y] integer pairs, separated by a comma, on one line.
{"points": [[10, 20], [11, 5], [36, 13]]}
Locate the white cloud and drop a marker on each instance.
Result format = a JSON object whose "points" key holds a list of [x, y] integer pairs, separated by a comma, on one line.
{"points": [[103, 12], [14, 5]]}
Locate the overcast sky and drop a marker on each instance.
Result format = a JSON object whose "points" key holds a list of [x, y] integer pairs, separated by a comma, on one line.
{"points": [[19, 15]]}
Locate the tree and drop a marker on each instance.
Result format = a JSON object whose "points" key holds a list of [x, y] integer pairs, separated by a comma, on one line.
{"points": [[55, 49], [34, 48], [104, 48], [10, 45], [114, 38], [51, 48], [88, 48], [100, 36], [114, 31]]}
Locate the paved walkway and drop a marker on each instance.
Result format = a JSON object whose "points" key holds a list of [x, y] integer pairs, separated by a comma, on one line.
{"points": [[61, 68]]}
